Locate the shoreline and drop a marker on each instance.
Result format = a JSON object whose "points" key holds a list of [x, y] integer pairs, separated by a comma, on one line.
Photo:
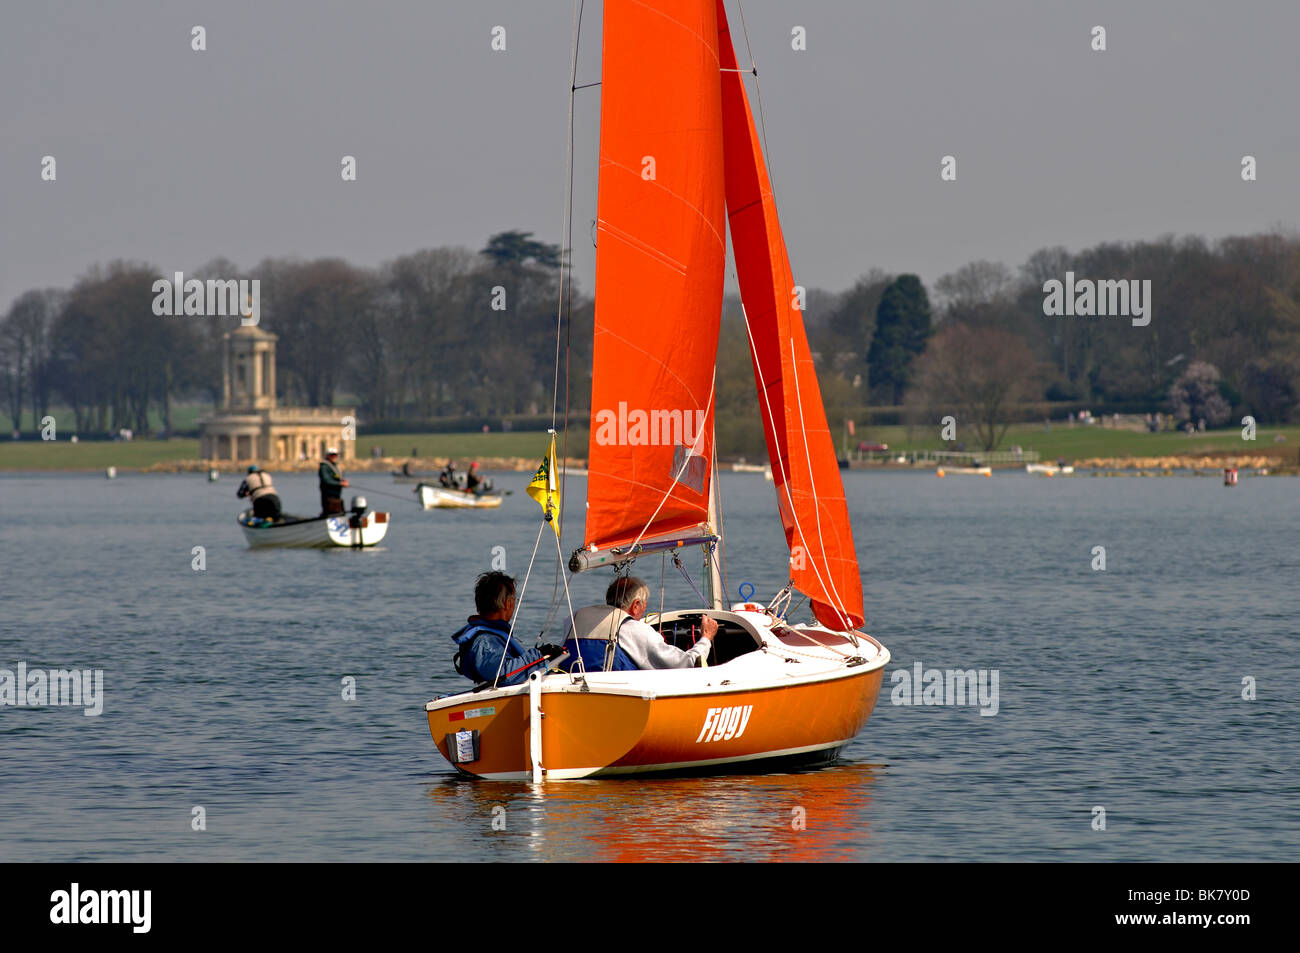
{"points": [[386, 465]]}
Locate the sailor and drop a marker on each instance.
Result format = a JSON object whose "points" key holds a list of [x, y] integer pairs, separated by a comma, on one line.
{"points": [[486, 637], [617, 626], [472, 479], [257, 485], [331, 483]]}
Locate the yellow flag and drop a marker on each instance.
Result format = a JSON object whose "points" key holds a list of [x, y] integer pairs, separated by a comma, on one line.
{"points": [[545, 490]]}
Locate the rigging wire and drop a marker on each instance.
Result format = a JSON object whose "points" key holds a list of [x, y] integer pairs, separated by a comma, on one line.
{"points": [[563, 327], [720, 556], [518, 604]]}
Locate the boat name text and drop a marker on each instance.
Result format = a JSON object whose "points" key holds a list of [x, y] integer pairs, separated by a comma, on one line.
{"points": [[725, 723]]}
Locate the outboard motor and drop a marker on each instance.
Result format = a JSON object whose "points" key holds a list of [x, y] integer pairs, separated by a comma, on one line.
{"points": [[356, 518]]}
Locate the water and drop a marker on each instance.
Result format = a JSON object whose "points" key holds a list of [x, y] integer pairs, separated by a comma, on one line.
{"points": [[1120, 689]]}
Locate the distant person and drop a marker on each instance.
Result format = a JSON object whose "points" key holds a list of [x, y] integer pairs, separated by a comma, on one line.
{"points": [[448, 475], [331, 483], [486, 647], [472, 479], [406, 468], [617, 625], [257, 486]]}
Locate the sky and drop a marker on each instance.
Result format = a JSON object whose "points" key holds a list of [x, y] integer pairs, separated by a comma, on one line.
{"points": [[174, 157]]}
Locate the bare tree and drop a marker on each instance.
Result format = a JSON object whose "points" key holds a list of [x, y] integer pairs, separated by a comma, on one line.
{"points": [[977, 375]]}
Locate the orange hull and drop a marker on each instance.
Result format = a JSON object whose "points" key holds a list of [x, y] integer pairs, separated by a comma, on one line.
{"points": [[621, 731]]}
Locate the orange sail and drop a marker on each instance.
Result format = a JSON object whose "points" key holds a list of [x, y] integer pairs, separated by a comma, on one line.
{"points": [[661, 245], [810, 494]]}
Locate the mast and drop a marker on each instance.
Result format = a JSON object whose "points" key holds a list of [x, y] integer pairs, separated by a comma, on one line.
{"points": [[713, 554]]}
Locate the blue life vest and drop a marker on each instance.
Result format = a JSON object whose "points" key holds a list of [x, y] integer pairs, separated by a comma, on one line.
{"points": [[481, 644], [592, 653]]}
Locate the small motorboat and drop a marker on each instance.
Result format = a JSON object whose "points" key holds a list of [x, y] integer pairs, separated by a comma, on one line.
{"points": [[964, 471], [1047, 469], [446, 498], [353, 530]]}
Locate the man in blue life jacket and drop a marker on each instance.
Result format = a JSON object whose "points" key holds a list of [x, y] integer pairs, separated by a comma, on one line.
{"points": [[614, 634], [486, 637]]}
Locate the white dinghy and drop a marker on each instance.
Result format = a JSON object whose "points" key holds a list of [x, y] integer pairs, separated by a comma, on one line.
{"points": [[354, 530], [443, 498]]}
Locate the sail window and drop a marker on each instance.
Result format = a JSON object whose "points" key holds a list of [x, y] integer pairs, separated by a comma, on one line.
{"points": [[689, 469]]}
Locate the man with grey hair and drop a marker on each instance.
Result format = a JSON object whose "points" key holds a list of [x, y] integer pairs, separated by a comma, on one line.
{"points": [[612, 637]]}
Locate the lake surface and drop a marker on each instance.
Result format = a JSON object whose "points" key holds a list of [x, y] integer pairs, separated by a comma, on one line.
{"points": [[1120, 689]]}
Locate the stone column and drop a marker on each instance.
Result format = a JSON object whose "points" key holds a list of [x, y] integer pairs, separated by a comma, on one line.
{"points": [[225, 372], [256, 360]]}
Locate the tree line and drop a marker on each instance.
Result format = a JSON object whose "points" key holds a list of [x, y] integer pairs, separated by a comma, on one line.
{"points": [[450, 332], [437, 333]]}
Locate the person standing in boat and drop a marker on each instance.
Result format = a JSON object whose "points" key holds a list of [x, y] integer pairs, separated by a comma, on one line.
{"points": [[618, 624], [331, 483], [472, 479], [257, 486], [485, 637]]}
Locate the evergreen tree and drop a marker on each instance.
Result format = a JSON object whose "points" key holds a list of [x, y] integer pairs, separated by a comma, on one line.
{"points": [[902, 329]]}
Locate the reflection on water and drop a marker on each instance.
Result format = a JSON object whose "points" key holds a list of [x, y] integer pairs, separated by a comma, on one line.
{"points": [[815, 815]]}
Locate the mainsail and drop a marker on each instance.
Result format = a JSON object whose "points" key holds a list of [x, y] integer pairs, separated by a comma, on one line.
{"points": [[810, 494], [661, 246]]}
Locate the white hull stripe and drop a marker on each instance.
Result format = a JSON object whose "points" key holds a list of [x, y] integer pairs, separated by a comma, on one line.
{"points": [[573, 774]]}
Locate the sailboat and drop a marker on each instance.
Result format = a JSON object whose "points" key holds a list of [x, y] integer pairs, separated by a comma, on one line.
{"points": [[680, 163]]}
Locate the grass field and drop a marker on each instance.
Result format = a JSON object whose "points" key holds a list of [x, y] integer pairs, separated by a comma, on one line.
{"points": [[137, 454], [93, 455], [1076, 443], [467, 446]]}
